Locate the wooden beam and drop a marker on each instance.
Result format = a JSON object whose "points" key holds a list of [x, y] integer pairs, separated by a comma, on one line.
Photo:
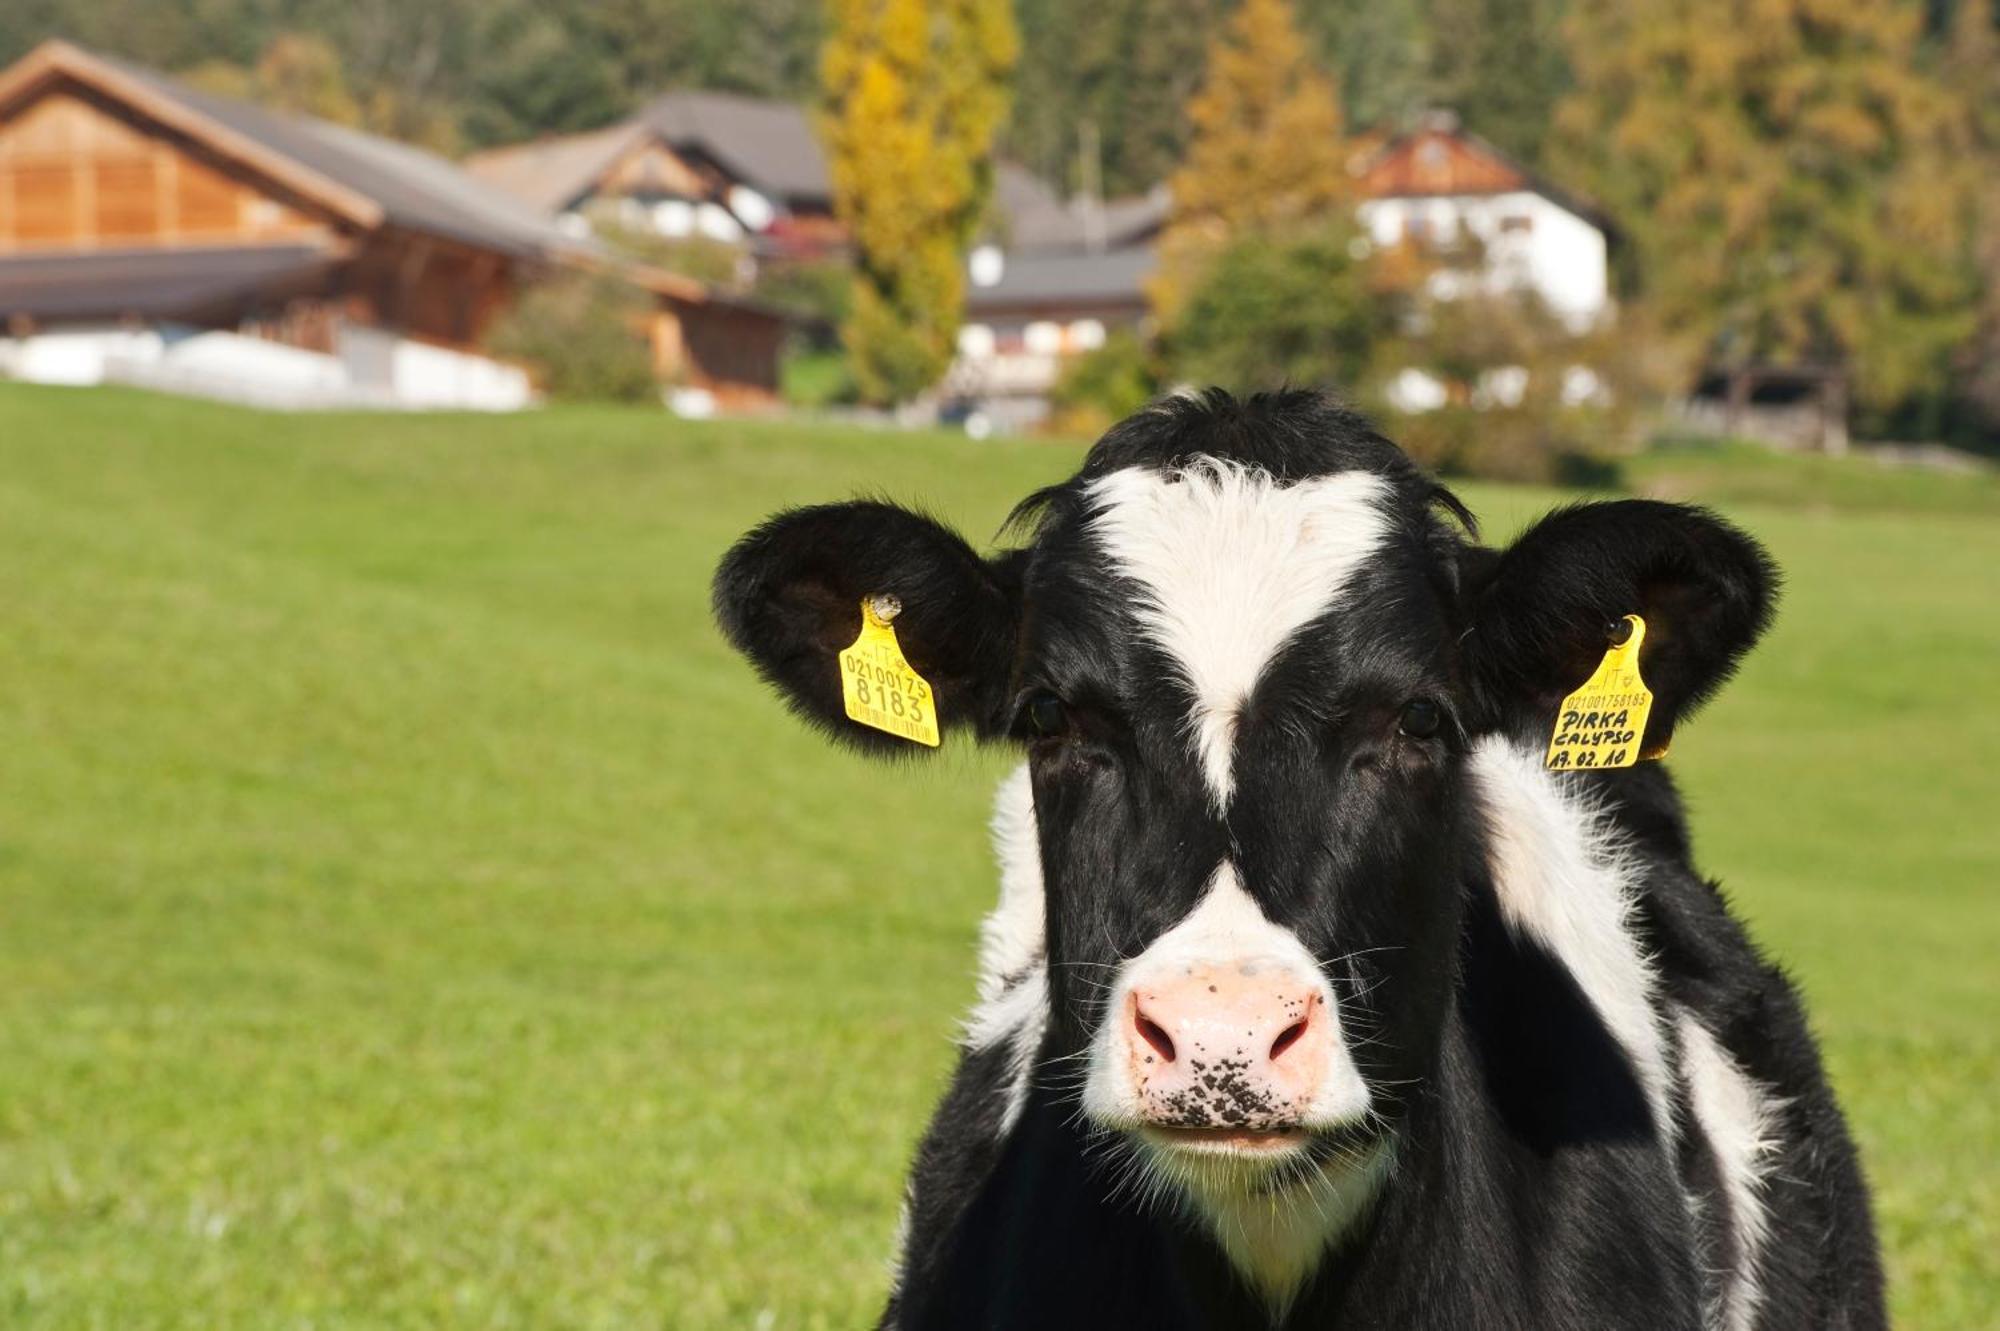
{"points": [[83, 194], [166, 191]]}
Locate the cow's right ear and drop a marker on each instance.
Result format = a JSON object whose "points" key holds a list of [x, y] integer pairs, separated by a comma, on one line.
{"points": [[788, 596]]}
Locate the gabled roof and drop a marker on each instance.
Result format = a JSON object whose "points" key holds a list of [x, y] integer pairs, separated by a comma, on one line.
{"points": [[1034, 218], [1438, 158], [362, 178], [768, 145], [551, 173]]}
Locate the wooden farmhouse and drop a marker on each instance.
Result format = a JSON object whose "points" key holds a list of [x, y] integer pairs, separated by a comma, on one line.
{"points": [[155, 234]]}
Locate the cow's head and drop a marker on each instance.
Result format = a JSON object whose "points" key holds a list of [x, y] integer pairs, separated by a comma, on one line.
{"points": [[1246, 653]]}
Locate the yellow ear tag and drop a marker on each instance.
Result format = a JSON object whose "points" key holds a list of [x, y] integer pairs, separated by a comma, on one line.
{"points": [[1601, 724], [877, 684]]}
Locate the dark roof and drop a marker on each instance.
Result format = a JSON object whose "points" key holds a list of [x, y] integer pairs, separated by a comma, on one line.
{"points": [[1070, 278], [154, 283], [1034, 218], [413, 188], [769, 145]]}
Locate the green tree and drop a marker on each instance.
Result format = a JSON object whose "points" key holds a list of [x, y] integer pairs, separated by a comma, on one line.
{"points": [[1267, 152], [1380, 52], [1102, 387], [1783, 172], [915, 90], [1298, 310], [1502, 69], [1127, 68], [539, 76]]}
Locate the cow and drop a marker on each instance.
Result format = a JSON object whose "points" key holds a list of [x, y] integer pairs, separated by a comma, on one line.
{"points": [[1313, 996]]}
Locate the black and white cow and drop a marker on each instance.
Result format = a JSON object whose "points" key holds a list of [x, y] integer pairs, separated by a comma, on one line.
{"points": [[1312, 999]]}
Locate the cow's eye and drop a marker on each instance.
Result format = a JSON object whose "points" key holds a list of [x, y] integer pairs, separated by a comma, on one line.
{"points": [[1046, 714], [1421, 719]]}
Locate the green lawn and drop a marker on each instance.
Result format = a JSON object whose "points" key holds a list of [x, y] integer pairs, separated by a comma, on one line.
{"points": [[412, 914]]}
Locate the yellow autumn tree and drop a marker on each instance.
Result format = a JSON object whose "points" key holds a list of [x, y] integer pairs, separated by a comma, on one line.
{"points": [[1266, 152], [1783, 170], [914, 92], [297, 72]]}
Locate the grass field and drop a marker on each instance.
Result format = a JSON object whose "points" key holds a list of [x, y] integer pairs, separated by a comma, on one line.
{"points": [[412, 915]]}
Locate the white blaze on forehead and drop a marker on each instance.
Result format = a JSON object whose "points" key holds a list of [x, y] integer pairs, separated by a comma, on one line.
{"points": [[1231, 565]]}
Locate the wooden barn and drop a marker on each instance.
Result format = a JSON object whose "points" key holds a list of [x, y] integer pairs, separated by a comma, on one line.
{"points": [[156, 234]]}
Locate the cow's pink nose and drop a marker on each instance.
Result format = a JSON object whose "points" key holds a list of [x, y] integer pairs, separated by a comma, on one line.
{"points": [[1243, 1046]]}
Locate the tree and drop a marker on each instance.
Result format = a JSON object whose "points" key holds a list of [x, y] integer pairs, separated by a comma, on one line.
{"points": [[1501, 68], [1783, 172], [301, 73], [539, 77], [1126, 67], [1267, 152], [914, 92], [1972, 68], [1296, 310], [1380, 52], [298, 73]]}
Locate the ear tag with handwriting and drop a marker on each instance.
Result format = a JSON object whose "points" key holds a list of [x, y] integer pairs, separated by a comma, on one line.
{"points": [[1601, 724], [877, 684]]}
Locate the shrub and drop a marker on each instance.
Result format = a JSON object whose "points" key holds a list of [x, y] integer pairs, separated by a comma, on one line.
{"points": [[1505, 360], [1274, 311], [582, 336], [816, 378], [815, 291], [1102, 387]]}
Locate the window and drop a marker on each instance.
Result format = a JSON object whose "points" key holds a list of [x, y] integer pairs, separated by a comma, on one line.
{"points": [[976, 342], [1086, 335]]}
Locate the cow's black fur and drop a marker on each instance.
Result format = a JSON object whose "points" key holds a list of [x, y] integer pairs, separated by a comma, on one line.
{"points": [[1531, 1188]]}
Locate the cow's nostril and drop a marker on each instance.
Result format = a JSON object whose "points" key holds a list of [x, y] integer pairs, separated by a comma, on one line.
{"points": [[1150, 1032], [1287, 1038]]}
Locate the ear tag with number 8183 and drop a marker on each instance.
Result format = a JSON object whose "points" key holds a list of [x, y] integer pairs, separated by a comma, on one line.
{"points": [[1602, 723], [877, 684]]}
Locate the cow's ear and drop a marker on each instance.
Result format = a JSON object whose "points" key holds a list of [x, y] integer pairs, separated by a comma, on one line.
{"points": [[1542, 610], [788, 596]]}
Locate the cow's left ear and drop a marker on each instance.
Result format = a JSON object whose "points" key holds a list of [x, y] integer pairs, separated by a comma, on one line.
{"points": [[1541, 610], [788, 596]]}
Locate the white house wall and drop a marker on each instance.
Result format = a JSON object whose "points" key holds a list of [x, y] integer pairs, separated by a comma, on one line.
{"points": [[1560, 255]]}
